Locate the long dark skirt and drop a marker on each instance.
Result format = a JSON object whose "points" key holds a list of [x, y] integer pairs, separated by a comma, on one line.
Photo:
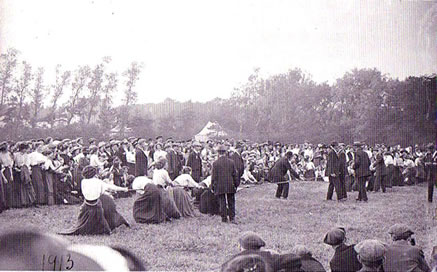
{"points": [[28, 197], [310, 174], [113, 218], [2, 194], [91, 221], [17, 186], [183, 201], [209, 203], [148, 206], [9, 188], [168, 204], [398, 179], [39, 185], [389, 176], [49, 178]]}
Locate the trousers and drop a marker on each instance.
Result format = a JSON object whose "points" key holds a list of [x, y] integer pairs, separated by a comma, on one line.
{"points": [[227, 206]]}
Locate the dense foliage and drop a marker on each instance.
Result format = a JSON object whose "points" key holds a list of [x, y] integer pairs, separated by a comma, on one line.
{"points": [[363, 105]]}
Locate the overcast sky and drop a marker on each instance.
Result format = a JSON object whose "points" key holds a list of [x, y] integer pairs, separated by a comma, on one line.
{"points": [[200, 50]]}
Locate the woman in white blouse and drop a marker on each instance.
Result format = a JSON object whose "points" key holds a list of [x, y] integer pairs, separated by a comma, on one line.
{"points": [[93, 219], [161, 179]]}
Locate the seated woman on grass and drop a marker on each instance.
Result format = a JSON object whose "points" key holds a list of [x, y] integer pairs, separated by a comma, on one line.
{"points": [[98, 214]]}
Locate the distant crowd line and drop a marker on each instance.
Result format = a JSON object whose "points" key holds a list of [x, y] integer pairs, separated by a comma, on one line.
{"points": [[49, 171]]}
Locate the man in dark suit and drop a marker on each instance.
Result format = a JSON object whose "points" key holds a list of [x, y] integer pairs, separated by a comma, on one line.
{"points": [[224, 184], [342, 164], [362, 170], [234, 155], [430, 161], [174, 164], [333, 172], [345, 257], [141, 161], [195, 162], [279, 172]]}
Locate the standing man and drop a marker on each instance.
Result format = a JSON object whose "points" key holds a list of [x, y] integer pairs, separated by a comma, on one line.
{"points": [[342, 164], [362, 170], [141, 160], [224, 184], [234, 155], [279, 172], [333, 172], [174, 164], [195, 162], [431, 169]]}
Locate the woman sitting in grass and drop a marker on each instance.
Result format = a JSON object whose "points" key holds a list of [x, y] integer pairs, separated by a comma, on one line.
{"points": [[93, 219]]}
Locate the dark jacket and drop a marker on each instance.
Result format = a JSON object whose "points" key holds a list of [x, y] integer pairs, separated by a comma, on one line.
{"points": [[224, 176], [345, 259], [195, 162], [332, 163], [174, 164], [380, 169], [279, 170], [309, 264], [140, 163], [239, 163], [362, 164], [401, 256], [342, 166]]}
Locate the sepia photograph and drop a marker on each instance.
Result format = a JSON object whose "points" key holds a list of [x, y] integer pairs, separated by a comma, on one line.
{"points": [[231, 136]]}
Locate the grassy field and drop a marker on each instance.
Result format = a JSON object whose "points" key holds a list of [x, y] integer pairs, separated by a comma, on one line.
{"points": [[204, 243]]}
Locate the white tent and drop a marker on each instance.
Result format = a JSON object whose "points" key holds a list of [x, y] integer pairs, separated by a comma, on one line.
{"points": [[212, 130]]}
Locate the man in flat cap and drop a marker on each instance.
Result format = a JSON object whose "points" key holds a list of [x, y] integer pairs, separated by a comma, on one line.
{"points": [[333, 172], [224, 183], [141, 161], [430, 161], [403, 254], [371, 255], [251, 244], [345, 257], [362, 170]]}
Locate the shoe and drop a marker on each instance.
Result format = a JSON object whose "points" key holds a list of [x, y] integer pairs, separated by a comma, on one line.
{"points": [[232, 221], [357, 199], [224, 220]]}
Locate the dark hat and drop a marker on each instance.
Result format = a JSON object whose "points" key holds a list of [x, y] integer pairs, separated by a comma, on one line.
{"points": [[334, 143], [89, 172], [3, 146], [335, 236], [430, 146], [370, 250], [158, 137], [400, 231], [248, 262], [221, 148], [251, 240], [358, 144]]}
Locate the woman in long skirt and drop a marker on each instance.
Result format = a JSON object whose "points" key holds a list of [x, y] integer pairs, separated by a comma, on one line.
{"points": [[37, 160], [91, 218], [148, 206], [7, 163], [162, 179]]}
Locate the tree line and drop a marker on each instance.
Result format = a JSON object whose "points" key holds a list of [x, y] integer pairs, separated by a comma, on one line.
{"points": [[363, 105]]}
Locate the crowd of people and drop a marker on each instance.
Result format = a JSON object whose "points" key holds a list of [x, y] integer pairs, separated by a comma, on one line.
{"points": [[400, 254], [28, 250], [49, 171], [170, 178]]}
